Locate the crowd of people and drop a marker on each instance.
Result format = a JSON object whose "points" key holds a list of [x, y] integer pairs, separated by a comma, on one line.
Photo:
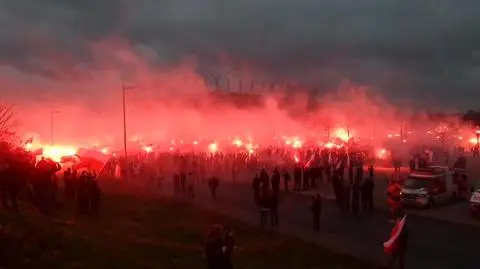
{"points": [[311, 171], [23, 176]]}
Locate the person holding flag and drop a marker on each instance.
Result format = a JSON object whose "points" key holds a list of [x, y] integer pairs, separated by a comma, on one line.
{"points": [[396, 245]]}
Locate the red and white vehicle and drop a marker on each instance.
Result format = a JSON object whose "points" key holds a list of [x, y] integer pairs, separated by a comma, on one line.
{"points": [[475, 203], [429, 187]]}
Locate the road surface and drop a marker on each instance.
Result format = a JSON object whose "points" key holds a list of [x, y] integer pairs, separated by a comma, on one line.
{"points": [[433, 243]]}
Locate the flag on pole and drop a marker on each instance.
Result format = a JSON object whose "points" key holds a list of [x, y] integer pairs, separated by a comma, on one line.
{"points": [[390, 245], [29, 141]]}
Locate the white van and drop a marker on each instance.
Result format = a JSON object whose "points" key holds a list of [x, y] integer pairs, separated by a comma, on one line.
{"points": [[429, 187]]}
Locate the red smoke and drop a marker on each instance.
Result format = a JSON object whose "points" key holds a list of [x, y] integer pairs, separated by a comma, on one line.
{"points": [[159, 105]]}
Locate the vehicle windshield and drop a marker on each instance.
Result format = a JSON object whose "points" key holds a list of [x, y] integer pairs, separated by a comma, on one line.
{"points": [[416, 183]]}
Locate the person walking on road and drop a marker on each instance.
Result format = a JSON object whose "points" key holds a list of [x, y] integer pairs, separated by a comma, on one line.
{"points": [[316, 208], [297, 177], [275, 180], [367, 193], [286, 179], [213, 183], [356, 196]]}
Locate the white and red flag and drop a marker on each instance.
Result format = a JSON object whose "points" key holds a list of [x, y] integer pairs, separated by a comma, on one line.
{"points": [[390, 245]]}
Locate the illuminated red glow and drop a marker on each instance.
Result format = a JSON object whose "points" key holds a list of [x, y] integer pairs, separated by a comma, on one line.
{"points": [[381, 153], [213, 147], [351, 111], [56, 152]]}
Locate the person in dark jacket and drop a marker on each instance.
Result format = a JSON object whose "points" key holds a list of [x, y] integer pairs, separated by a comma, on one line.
{"points": [[265, 180], [367, 194], [273, 204], [229, 242], [286, 179], [95, 194], [275, 181], [356, 190], [337, 184], [215, 248], [297, 177], [213, 183], [316, 209], [82, 195], [370, 171]]}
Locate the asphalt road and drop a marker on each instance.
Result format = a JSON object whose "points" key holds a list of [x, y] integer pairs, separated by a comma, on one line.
{"points": [[433, 243]]}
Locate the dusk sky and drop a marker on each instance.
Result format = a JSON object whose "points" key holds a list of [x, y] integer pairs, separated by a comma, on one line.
{"points": [[410, 50]]}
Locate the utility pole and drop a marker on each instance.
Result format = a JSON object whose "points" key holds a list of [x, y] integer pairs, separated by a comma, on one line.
{"points": [[124, 90], [217, 87]]}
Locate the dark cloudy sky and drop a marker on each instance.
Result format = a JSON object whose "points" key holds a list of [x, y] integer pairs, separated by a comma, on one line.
{"points": [[419, 50]]}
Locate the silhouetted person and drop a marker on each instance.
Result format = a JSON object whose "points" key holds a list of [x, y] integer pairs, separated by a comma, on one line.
{"points": [[297, 177], [67, 180], [183, 183], [83, 195], [265, 180], [356, 191], [275, 181], [265, 208], [316, 209], [95, 194], [370, 171], [214, 248], [286, 179], [213, 185], [337, 185], [306, 178], [367, 193], [229, 242], [273, 203]]}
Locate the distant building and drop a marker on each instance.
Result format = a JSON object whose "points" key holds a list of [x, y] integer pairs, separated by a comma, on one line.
{"points": [[236, 99]]}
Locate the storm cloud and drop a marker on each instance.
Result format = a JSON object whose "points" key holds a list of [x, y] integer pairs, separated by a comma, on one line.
{"points": [[413, 50]]}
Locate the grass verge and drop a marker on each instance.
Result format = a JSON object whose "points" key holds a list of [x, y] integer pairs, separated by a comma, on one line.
{"points": [[138, 230]]}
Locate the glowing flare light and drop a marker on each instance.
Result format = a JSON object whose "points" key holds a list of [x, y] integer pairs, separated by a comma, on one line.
{"points": [[56, 152], [213, 147]]}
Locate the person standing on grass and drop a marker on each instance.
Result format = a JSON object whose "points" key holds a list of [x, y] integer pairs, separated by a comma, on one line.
{"points": [[286, 179], [228, 249], [213, 183], [316, 208], [215, 247]]}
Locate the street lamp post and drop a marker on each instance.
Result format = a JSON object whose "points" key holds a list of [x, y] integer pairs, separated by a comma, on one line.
{"points": [[124, 89], [51, 125]]}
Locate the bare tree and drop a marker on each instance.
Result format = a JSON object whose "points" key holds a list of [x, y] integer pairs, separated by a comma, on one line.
{"points": [[7, 124]]}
